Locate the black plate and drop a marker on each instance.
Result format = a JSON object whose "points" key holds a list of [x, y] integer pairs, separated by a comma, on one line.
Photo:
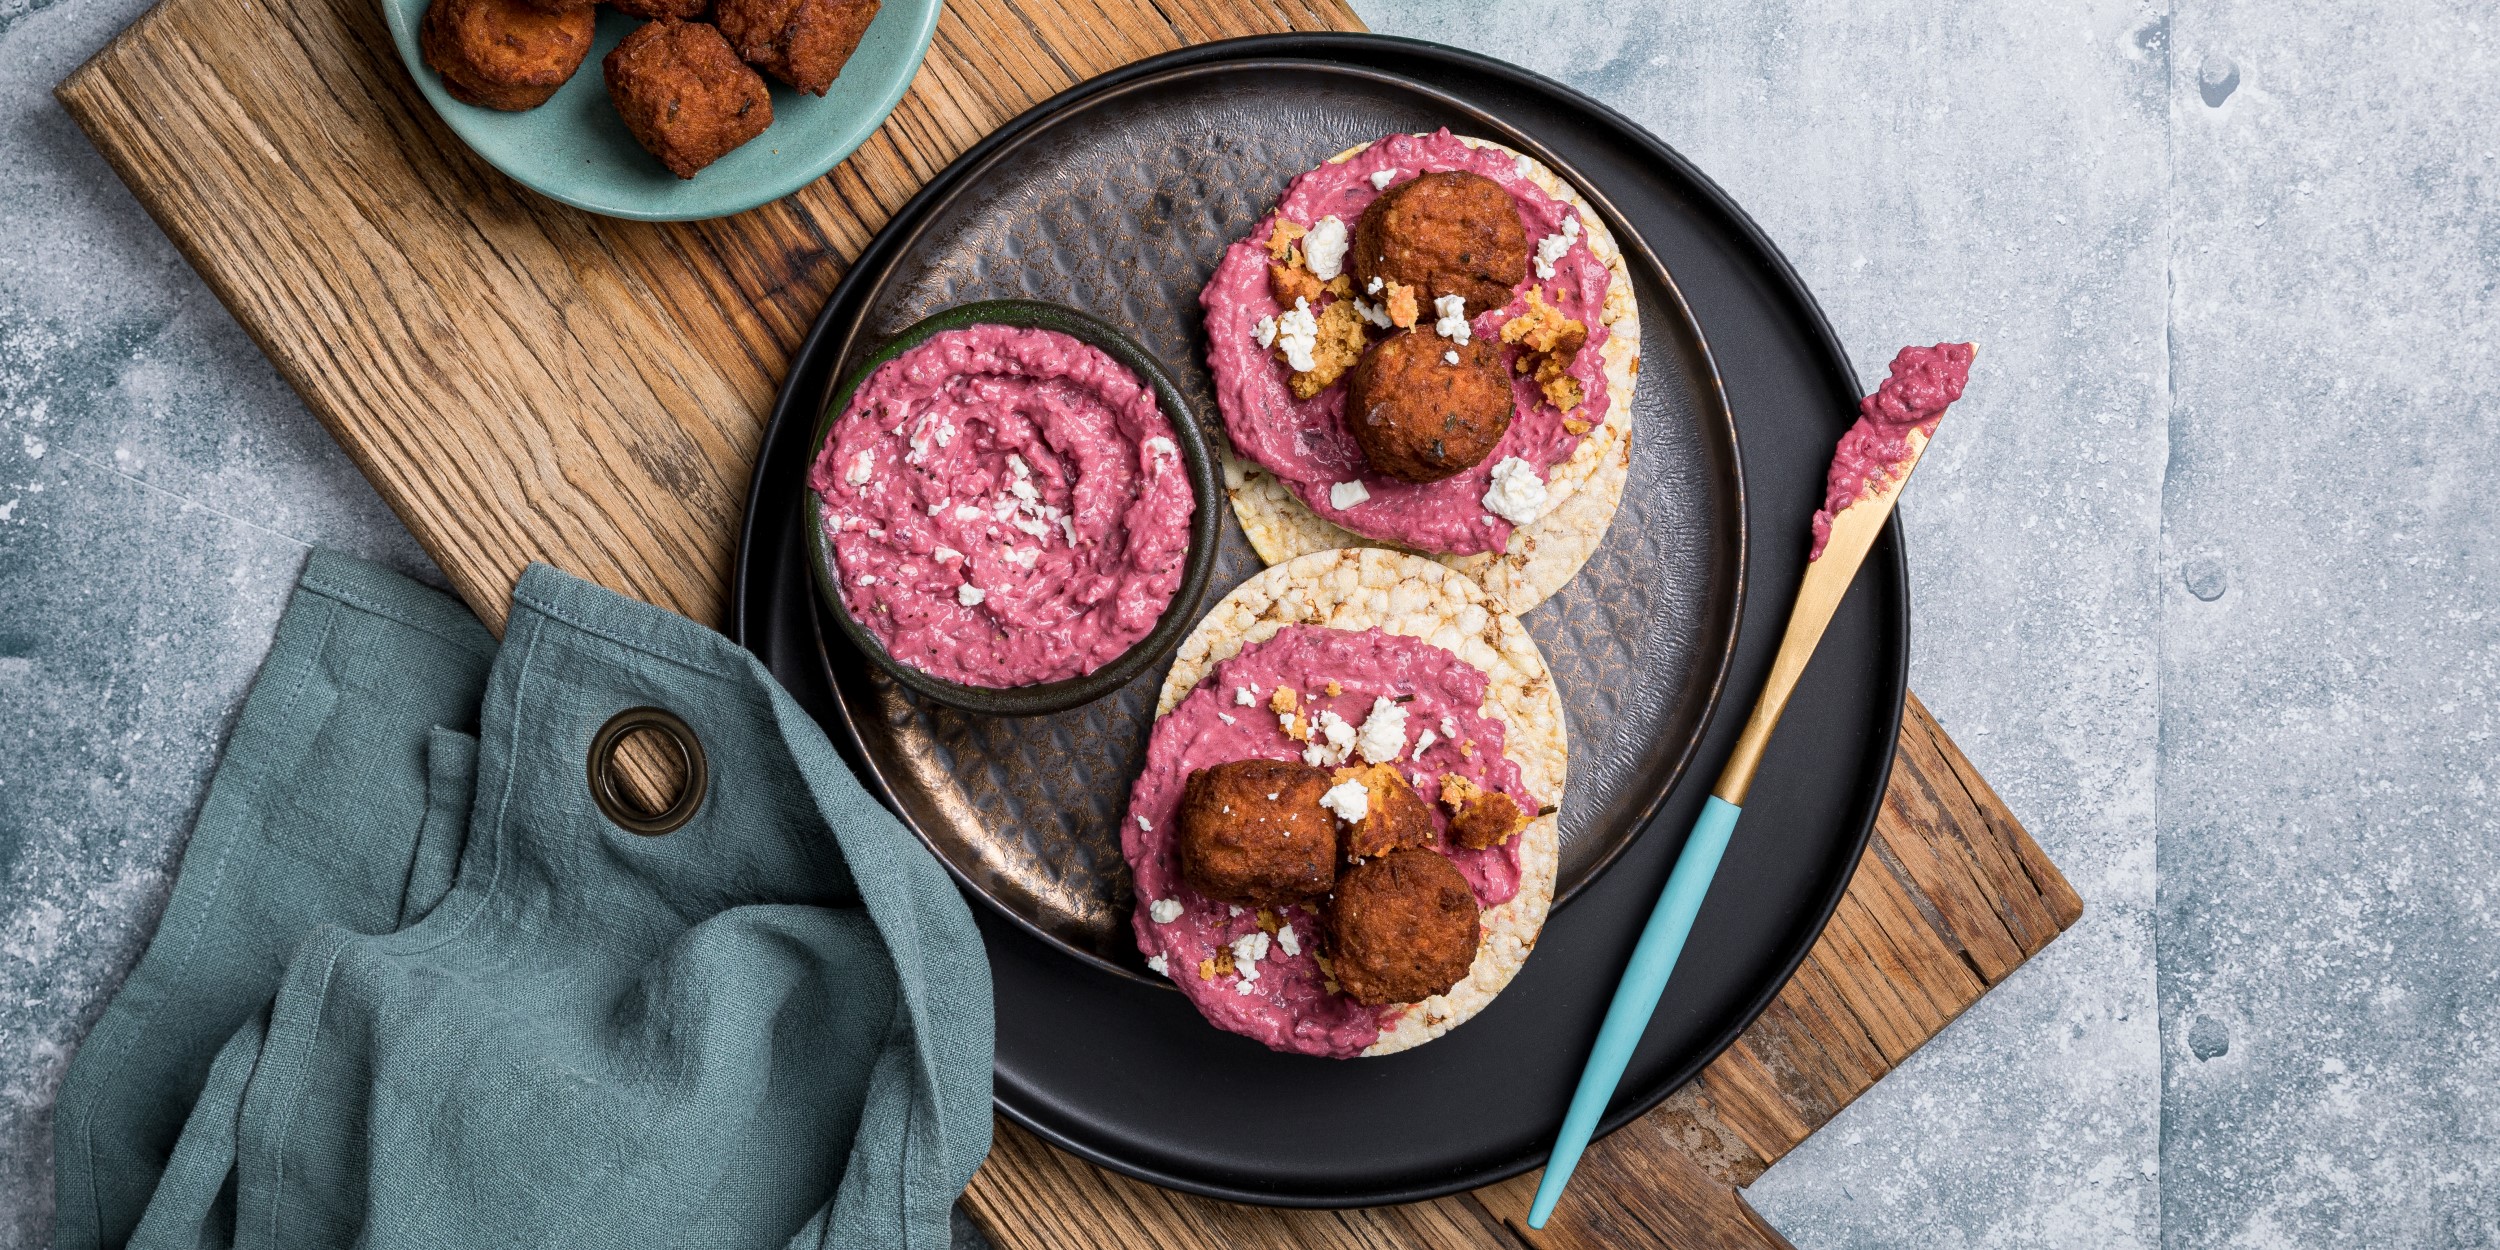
{"points": [[1121, 203], [1125, 1074]]}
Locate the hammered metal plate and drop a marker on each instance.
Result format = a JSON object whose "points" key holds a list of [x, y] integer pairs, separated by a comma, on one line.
{"points": [[1121, 206]]}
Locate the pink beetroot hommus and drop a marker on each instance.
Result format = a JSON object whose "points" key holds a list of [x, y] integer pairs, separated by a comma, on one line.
{"points": [[1286, 1004], [1305, 442], [1923, 382], [1005, 506]]}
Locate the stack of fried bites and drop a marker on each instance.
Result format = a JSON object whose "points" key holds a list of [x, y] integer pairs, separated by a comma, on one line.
{"points": [[685, 82]]}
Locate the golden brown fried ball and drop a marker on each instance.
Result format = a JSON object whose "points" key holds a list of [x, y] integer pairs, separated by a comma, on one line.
{"points": [[685, 95], [1479, 818], [801, 42], [653, 10], [1395, 815], [1450, 233], [1402, 928], [503, 54], [1252, 832], [1420, 418]]}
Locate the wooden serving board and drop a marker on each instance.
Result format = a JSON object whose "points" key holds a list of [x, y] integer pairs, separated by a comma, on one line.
{"points": [[524, 382]]}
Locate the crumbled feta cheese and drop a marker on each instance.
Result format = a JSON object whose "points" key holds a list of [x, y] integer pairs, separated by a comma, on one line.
{"points": [[966, 512], [1349, 800], [865, 579], [1424, 741], [1158, 966], [1248, 950], [1226, 719], [1161, 446], [862, 465], [1245, 696], [1298, 333], [946, 553], [1145, 824], [1067, 526], [1449, 727], [1164, 910], [1452, 324], [1032, 525], [1246, 986], [1552, 247], [1289, 941], [1382, 179], [1324, 248], [1272, 796], [1374, 287], [1264, 330], [1233, 908], [1373, 313], [1525, 169], [1449, 357], [1517, 494], [1345, 495], [1383, 736], [1332, 737], [1315, 755], [1022, 556], [970, 595], [938, 507]]}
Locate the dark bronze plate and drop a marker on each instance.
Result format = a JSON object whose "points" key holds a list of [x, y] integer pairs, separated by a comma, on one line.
{"points": [[1124, 1072], [1121, 205]]}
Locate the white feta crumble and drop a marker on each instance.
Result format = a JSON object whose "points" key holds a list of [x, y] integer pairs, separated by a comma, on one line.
{"points": [[970, 595], [1288, 941], [1423, 743], [1345, 495], [1032, 525], [1383, 736], [1324, 248], [1337, 733], [966, 512], [1349, 800], [1161, 446], [1449, 727], [1517, 494], [1264, 330], [1315, 755], [939, 506], [1272, 796], [1067, 526], [1157, 965], [1525, 169], [1023, 556], [1382, 179], [1226, 719], [1233, 908], [1552, 247], [1298, 333], [1246, 986], [1164, 910], [1372, 313], [865, 579], [946, 553], [862, 466], [1145, 824], [1245, 696], [1248, 950], [1449, 357], [1374, 287], [1452, 323]]}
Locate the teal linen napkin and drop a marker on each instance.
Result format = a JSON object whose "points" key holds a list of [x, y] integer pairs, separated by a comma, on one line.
{"points": [[414, 989]]}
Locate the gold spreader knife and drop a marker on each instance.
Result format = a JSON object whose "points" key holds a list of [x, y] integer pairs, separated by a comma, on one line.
{"points": [[1853, 531]]}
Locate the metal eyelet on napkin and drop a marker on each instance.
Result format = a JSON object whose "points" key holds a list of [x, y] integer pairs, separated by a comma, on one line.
{"points": [[603, 786]]}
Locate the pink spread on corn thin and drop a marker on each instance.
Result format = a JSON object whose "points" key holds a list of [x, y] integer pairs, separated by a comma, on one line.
{"points": [[1924, 381], [1305, 443], [1288, 1006], [1005, 506]]}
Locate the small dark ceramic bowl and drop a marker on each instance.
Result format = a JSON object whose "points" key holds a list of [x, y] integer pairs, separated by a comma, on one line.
{"points": [[1204, 527]]}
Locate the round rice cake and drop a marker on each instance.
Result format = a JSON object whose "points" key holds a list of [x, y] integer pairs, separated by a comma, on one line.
{"points": [[1544, 554], [1365, 588]]}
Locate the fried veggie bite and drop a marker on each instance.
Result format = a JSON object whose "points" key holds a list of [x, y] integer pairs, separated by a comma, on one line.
{"points": [[685, 95], [1448, 233], [801, 42], [1402, 928], [1394, 815], [653, 10], [1253, 832], [503, 54], [1419, 416]]}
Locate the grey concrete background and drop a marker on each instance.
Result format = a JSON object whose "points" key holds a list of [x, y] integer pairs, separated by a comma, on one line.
{"points": [[2204, 576]]}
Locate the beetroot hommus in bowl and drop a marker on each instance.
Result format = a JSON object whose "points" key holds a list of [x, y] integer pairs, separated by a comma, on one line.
{"points": [[1009, 502]]}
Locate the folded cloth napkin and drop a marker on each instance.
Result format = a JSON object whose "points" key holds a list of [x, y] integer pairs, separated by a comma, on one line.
{"points": [[415, 988]]}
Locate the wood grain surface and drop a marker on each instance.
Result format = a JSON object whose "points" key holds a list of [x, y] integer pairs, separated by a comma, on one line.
{"points": [[525, 382]]}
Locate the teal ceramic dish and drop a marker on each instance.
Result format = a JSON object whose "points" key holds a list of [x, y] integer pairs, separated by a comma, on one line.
{"points": [[575, 149], [1205, 526]]}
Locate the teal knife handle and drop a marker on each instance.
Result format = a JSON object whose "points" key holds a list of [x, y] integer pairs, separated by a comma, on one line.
{"points": [[1653, 961]]}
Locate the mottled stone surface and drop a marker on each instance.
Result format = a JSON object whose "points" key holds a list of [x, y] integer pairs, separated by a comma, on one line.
{"points": [[2204, 579]]}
